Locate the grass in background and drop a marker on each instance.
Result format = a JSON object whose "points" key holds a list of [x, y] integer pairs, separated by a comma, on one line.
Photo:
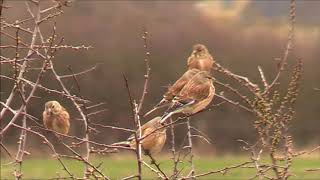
{"points": [[119, 166]]}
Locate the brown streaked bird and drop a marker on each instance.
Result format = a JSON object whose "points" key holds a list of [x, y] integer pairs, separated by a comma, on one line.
{"points": [[174, 89], [154, 139], [200, 58], [195, 96], [55, 117]]}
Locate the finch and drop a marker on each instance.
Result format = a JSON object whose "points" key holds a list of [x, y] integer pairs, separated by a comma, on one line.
{"points": [[154, 139], [56, 117], [195, 96], [174, 89], [200, 58]]}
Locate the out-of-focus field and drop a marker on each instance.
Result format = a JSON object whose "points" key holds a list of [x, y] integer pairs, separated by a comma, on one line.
{"points": [[120, 166]]}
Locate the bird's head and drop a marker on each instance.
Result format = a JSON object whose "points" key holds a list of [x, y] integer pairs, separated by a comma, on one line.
{"points": [[199, 50], [53, 107]]}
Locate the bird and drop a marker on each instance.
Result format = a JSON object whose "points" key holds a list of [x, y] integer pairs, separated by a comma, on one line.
{"points": [[153, 136], [195, 96], [56, 117], [200, 58], [174, 90]]}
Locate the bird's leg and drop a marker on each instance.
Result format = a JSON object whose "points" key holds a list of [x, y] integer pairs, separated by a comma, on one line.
{"points": [[153, 161], [147, 153]]}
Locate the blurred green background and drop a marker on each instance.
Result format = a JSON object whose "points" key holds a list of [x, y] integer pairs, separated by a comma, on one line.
{"points": [[239, 34], [34, 168]]}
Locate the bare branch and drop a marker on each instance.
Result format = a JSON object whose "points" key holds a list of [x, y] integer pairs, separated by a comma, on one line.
{"points": [[263, 78], [148, 69]]}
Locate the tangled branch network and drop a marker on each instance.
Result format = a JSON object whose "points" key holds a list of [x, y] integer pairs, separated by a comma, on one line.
{"points": [[29, 55]]}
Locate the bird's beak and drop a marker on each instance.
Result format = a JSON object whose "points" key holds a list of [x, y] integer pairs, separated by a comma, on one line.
{"points": [[49, 110]]}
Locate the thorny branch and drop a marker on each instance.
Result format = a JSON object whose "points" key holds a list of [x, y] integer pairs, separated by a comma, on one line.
{"points": [[45, 52], [148, 69], [137, 134], [273, 113]]}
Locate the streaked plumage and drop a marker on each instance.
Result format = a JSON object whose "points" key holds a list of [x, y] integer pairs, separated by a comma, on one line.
{"points": [[55, 117], [175, 89], [154, 142], [200, 58], [195, 96]]}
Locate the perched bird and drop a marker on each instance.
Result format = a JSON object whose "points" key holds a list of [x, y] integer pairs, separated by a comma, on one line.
{"points": [[174, 89], [55, 117], [194, 97], [200, 58], [154, 139]]}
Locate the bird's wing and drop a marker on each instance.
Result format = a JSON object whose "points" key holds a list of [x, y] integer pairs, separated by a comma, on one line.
{"points": [[174, 90], [143, 128], [195, 90], [45, 120], [150, 138], [147, 131], [179, 84], [62, 121]]}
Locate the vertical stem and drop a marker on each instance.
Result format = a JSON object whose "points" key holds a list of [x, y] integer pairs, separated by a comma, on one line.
{"points": [[21, 149], [22, 139], [148, 69], [274, 167], [137, 124], [173, 150], [138, 137], [192, 172]]}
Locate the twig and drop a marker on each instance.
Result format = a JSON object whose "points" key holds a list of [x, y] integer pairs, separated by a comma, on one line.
{"points": [[113, 127], [263, 78], [137, 124], [48, 144], [190, 145], [80, 73], [148, 69], [22, 140], [83, 114], [288, 48], [173, 150], [24, 65], [314, 169], [235, 103], [153, 161], [5, 149], [222, 171], [153, 170]]}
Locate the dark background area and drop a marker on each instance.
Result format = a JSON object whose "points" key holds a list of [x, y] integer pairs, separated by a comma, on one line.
{"points": [[240, 35]]}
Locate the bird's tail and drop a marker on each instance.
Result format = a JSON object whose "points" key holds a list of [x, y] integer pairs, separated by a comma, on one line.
{"points": [[165, 116], [175, 109], [169, 112], [161, 104]]}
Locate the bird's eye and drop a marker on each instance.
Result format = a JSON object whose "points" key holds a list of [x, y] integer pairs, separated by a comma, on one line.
{"points": [[52, 106]]}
